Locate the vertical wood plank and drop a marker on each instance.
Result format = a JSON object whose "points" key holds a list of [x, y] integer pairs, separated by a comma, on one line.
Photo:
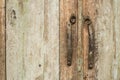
{"points": [[116, 61], [2, 39], [105, 18], [80, 48], [89, 11], [25, 25], [32, 40], [51, 34], [67, 8], [106, 40]]}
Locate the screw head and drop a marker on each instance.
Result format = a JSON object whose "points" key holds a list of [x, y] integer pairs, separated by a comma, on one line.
{"points": [[73, 19], [87, 20], [90, 65]]}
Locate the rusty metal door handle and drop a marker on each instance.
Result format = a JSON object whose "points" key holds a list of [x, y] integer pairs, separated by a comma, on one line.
{"points": [[69, 40], [91, 42], [69, 45]]}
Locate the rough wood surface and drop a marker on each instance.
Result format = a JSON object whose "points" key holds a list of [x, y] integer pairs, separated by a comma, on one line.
{"points": [[2, 39], [105, 40], [80, 48], [105, 18], [116, 62], [88, 11], [67, 9], [32, 39]]}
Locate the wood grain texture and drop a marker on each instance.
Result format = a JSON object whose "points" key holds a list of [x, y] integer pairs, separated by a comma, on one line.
{"points": [[88, 10], [85, 40], [116, 61], [67, 9], [106, 40], [2, 39], [105, 18], [104, 15], [34, 33], [80, 47], [32, 39]]}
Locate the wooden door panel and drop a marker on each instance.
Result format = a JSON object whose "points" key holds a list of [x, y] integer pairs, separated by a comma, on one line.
{"points": [[54, 39], [32, 44]]}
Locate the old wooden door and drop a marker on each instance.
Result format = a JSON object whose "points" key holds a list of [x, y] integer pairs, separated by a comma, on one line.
{"points": [[59, 40]]}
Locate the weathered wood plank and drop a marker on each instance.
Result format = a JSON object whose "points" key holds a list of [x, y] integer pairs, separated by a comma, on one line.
{"points": [[32, 40], [24, 28], [51, 34], [116, 61], [105, 18], [2, 39], [80, 48], [88, 37], [105, 39], [67, 9]]}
